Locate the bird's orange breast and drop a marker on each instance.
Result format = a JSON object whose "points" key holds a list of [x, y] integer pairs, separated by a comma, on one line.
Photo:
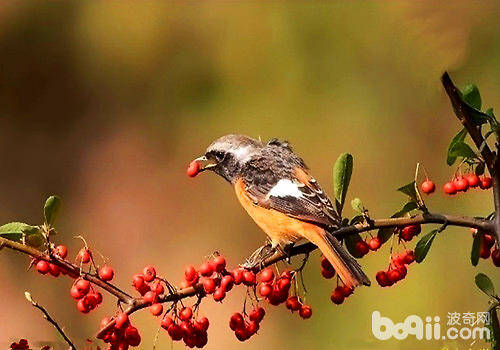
{"points": [[281, 228]]}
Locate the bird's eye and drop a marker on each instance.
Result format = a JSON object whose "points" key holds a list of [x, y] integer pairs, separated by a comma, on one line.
{"points": [[219, 156]]}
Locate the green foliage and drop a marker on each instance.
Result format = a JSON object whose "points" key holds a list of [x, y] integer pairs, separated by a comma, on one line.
{"points": [[471, 96], [476, 246], [16, 231], [385, 233], [410, 190], [342, 171], [51, 209], [484, 283], [357, 205], [458, 138], [423, 245]]}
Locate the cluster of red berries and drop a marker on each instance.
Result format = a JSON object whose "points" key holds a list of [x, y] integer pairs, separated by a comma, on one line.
{"points": [[150, 287], [459, 184], [87, 298], [363, 247], [243, 327], [122, 335], [45, 267], [184, 327], [407, 233], [488, 247], [214, 277], [397, 269], [340, 292], [20, 345]]}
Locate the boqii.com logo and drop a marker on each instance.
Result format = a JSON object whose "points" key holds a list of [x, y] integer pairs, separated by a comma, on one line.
{"points": [[467, 325]]}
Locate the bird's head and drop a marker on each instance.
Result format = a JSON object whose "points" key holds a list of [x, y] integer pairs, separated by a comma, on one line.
{"points": [[226, 156]]}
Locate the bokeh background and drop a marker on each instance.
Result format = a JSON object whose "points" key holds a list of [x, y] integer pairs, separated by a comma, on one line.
{"points": [[105, 103]]}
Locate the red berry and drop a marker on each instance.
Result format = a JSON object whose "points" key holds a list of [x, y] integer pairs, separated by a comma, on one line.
{"points": [[292, 303], [166, 322], [257, 314], [83, 306], [156, 309], [236, 321], [265, 289], [488, 240], [485, 183], [209, 285], [409, 257], [248, 278], [175, 332], [393, 275], [138, 281], [374, 243], [219, 294], [402, 271], [305, 311], [206, 269], [410, 231], [149, 273], [132, 336], [84, 256], [325, 264], [428, 187], [219, 263], [97, 297], [238, 275], [186, 314], [242, 334], [61, 251], [495, 257], [461, 184], [449, 188], [227, 282], [327, 273], [484, 252], [472, 180], [267, 275], [42, 266], [106, 273], [252, 327], [157, 287], [193, 168], [383, 279], [190, 273], [75, 293], [347, 291], [121, 320], [54, 270], [361, 247], [83, 286], [337, 296], [150, 297]]}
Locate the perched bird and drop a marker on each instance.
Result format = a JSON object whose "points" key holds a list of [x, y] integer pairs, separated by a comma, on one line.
{"points": [[275, 188]]}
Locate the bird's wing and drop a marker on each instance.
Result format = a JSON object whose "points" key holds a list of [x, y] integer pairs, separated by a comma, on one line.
{"points": [[298, 196]]}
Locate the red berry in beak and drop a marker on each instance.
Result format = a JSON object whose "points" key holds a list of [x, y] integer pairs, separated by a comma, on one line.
{"points": [[193, 169]]}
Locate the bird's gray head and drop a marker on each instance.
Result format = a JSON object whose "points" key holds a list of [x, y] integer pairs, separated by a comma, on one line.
{"points": [[227, 155]]}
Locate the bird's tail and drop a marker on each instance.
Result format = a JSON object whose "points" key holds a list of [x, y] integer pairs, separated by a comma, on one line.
{"points": [[346, 266]]}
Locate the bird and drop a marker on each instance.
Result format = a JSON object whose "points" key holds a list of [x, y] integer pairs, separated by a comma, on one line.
{"points": [[275, 188]]}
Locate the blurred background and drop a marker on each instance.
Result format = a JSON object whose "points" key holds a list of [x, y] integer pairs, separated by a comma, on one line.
{"points": [[105, 104]]}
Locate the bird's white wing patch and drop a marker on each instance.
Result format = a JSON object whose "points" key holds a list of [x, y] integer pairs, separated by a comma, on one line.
{"points": [[285, 188]]}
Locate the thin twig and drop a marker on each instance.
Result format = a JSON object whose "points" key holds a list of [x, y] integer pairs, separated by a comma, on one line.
{"points": [[47, 316]]}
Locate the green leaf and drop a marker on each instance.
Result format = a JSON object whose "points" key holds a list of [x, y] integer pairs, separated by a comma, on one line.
{"points": [[494, 328], [408, 207], [357, 205], [476, 247], [350, 244], [51, 209], [342, 171], [461, 149], [424, 245], [484, 283], [15, 231], [410, 190], [384, 234], [460, 137], [471, 96], [357, 220]]}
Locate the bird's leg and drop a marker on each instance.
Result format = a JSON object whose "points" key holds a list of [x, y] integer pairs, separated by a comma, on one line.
{"points": [[259, 256], [286, 249]]}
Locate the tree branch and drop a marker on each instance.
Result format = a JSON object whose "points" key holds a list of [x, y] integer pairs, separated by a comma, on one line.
{"points": [[47, 316], [465, 113]]}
